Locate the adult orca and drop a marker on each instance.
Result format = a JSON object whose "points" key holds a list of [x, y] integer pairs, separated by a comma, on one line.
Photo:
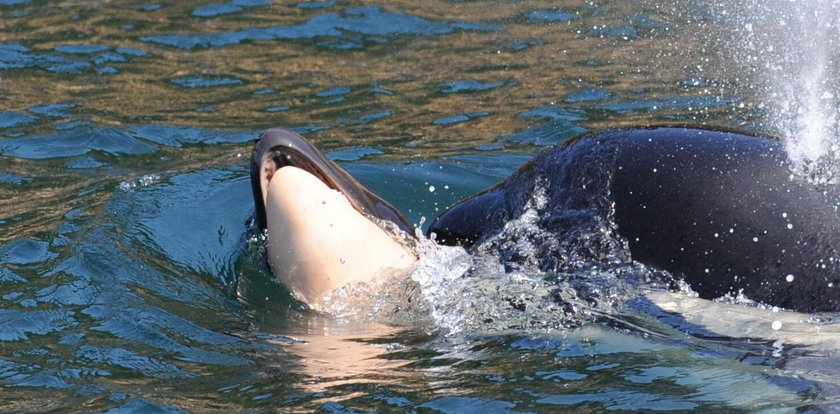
{"points": [[325, 229], [720, 209]]}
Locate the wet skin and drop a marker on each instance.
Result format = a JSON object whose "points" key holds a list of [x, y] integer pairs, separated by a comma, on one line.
{"points": [[720, 209], [324, 228]]}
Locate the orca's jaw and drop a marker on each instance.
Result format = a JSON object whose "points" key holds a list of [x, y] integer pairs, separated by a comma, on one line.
{"points": [[278, 148]]}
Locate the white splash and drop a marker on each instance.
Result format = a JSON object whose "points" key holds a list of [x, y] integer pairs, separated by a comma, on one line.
{"points": [[813, 129], [437, 272], [140, 182], [791, 46]]}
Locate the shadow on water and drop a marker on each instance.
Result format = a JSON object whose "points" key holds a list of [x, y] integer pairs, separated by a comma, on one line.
{"points": [[131, 281]]}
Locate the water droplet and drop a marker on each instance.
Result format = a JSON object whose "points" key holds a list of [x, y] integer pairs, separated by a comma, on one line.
{"points": [[776, 325], [755, 239], [784, 215], [789, 226], [789, 278], [341, 260], [431, 189]]}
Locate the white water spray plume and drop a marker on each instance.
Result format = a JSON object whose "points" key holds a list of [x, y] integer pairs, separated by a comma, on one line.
{"points": [[790, 48]]}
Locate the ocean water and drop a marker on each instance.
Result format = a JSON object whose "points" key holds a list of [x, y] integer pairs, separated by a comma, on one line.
{"points": [[130, 275]]}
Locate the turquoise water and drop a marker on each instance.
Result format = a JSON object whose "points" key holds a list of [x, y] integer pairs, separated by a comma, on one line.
{"points": [[129, 277]]}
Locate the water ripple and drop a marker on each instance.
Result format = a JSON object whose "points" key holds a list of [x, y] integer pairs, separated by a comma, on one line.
{"points": [[456, 119], [361, 20], [676, 102], [14, 179], [17, 325], [56, 110], [334, 91], [623, 400], [197, 81], [547, 134], [554, 113], [124, 358], [183, 219], [81, 49], [622, 32], [177, 136], [16, 56], [316, 4], [550, 16], [235, 6], [8, 276], [25, 251], [470, 85], [588, 94], [12, 119], [473, 405], [66, 144], [353, 154], [141, 405]]}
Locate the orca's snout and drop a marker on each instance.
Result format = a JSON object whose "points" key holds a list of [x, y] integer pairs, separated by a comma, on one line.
{"points": [[277, 148]]}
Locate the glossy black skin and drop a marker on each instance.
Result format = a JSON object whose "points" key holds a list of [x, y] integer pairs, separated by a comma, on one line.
{"points": [[674, 193], [287, 148]]}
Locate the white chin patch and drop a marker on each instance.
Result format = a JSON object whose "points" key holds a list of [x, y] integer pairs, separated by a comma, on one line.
{"points": [[317, 240]]}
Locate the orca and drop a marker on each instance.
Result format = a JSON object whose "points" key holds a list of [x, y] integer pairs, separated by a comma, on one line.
{"points": [[324, 229], [720, 209]]}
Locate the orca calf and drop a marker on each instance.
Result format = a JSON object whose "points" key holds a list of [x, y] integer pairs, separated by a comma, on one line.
{"points": [[325, 229]]}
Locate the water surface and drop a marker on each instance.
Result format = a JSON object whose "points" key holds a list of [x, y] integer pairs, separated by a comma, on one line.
{"points": [[130, 279]]}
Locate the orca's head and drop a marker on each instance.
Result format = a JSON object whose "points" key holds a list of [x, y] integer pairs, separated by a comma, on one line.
{"points": [[325, 229], [278, 148]]}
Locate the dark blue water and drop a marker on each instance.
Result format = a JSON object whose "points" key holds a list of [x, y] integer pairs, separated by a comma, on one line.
{"points": [[130, 278]]}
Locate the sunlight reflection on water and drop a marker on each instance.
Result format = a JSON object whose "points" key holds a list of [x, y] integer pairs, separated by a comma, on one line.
{"points": [[127, 281]]}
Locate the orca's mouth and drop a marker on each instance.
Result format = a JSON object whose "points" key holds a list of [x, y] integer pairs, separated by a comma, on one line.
{"points": [[279, 148]]}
